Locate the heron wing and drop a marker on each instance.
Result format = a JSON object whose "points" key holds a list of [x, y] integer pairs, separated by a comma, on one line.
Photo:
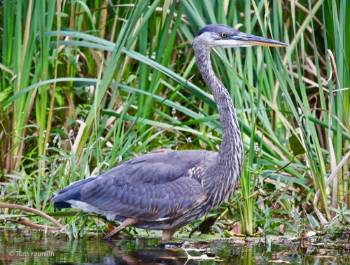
{"points": [[144, 201], [149, 187]]}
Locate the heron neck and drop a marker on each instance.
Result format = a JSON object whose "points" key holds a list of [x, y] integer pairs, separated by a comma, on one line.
{"points": [[230, 153]]}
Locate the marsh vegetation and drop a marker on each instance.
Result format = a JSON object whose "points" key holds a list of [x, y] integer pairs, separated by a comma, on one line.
{"points": [[88, 84]]}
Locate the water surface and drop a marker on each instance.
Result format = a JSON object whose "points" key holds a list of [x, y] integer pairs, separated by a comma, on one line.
{"points": [[36, 248]]}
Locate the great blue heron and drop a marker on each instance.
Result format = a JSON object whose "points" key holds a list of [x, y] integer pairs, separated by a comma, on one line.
{"points": [[166, 190]]}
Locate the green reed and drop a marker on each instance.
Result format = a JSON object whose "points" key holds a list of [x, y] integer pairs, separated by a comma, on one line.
{"points": [[87, 85]]}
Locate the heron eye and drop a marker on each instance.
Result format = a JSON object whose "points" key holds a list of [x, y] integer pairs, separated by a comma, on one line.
{"points": [[223, 35]]}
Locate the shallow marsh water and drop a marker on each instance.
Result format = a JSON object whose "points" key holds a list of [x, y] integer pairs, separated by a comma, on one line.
{"points": [[35, 248]]}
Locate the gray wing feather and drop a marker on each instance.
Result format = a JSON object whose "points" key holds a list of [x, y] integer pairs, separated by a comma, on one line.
{"points": [[145, 201], [150, 187]]}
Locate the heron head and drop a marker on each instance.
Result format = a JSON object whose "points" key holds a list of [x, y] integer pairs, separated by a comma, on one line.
{"points": [[226, 37]]}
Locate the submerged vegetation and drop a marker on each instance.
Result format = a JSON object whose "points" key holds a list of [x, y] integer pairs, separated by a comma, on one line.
{"points": [[88, 84]]}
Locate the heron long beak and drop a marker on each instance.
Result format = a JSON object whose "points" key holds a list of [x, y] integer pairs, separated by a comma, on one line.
{"points": [[261, 41], [246, 40]]}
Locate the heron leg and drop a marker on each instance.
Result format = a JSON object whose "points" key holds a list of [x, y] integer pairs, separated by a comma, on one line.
{"points": [[167, 234], [125, 223]]}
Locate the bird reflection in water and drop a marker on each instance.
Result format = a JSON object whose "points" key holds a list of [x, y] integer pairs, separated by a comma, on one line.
{"points": [[184, 253], [172, 254], [144, 257]]}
